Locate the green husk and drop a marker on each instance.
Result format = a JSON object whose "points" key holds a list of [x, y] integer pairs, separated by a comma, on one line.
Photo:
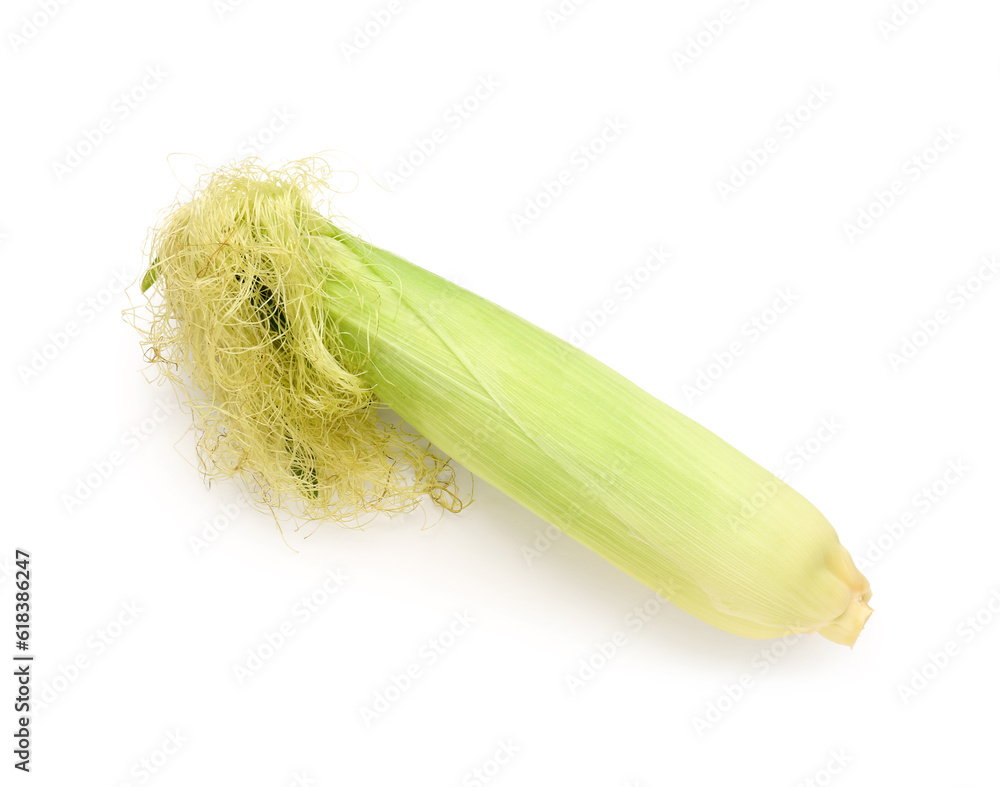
{"points": [[296, 333]]}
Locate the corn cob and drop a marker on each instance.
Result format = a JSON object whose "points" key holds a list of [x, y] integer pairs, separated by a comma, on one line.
{"points": [[296, 333]]}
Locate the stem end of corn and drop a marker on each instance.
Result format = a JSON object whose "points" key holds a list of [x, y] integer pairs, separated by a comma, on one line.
{"points": [[846, 628]]}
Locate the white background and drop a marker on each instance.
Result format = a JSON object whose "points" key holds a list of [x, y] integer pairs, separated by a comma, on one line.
{"points": [[99, 96]]}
